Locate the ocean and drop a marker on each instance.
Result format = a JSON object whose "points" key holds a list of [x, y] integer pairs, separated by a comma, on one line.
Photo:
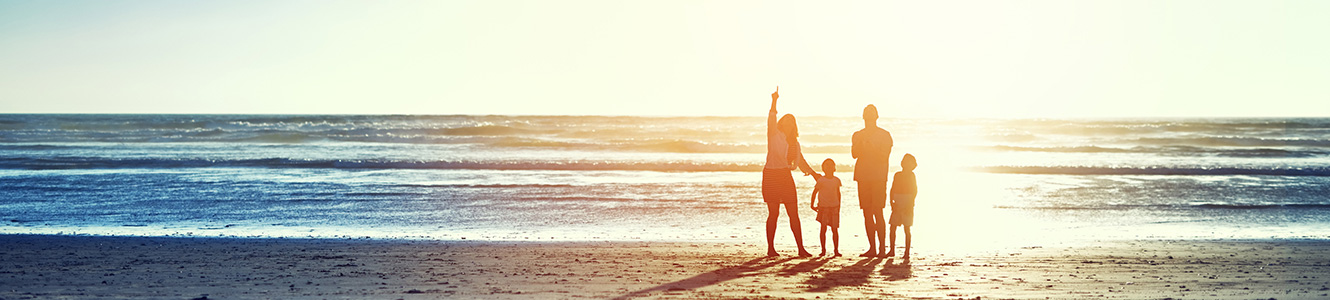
{"points": [[982, 182]]}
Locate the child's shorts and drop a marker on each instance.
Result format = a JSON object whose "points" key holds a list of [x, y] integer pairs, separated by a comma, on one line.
{"points": [[829, 216], [902, 212]]}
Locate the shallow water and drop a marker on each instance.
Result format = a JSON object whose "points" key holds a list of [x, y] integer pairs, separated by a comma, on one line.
{"points": [[982, 182]]}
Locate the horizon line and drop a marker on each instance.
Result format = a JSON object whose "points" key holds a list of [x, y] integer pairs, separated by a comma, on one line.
{"points": [[661, 116]]}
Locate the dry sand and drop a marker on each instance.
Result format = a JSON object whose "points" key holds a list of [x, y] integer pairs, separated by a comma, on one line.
{"points": [[56, 267]]}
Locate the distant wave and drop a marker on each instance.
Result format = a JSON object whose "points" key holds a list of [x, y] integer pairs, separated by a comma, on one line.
{"points": [[645, 145], [1147, 126], [532, 185], [1220, 137], [1231, 141], [483, 130], [60, 163], [1259, 152], [1086, 149], [497, 142], [1167, 150], [40, 147], [1076, 170], [1233, 206], [1262, 206]]}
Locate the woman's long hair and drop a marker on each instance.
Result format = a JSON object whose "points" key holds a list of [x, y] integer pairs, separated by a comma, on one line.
{"points": [[787, 126]]}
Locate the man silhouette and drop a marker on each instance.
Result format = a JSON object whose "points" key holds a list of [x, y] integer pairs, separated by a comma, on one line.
{"points": [[871, 149]]}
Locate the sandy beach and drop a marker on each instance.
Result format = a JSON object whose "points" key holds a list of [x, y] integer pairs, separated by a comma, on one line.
{"points": [[76, 267], [582, 149]]}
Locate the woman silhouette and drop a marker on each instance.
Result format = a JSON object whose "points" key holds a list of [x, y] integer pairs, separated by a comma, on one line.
{"points": [[783, 155]]}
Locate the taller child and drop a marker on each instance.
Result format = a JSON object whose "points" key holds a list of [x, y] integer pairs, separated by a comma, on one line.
{"points": [[871, 149]]}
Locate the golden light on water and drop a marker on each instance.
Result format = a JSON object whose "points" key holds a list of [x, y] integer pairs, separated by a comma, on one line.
{"points": [[958, 207]]}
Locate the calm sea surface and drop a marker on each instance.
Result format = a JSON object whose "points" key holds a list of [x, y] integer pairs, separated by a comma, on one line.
{"points": [[649, 178]]}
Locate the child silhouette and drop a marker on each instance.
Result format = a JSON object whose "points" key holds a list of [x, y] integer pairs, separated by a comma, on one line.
{"points": [[903, 191], [828, 211]]}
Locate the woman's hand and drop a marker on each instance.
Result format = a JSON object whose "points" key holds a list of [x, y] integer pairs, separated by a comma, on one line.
{"points": [[775, 94]]}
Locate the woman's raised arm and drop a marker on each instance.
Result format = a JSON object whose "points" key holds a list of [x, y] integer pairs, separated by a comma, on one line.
{"points": [[771, 115]]}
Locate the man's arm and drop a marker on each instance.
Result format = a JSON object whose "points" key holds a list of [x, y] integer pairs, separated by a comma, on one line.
{"points": [[854, 145], [886, 148]]}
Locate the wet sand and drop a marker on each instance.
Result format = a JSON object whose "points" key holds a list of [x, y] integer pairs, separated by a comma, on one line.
{"points": [[79, 267]]}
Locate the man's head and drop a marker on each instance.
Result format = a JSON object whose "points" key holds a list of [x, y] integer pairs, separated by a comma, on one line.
{"points": [[870, 114]]}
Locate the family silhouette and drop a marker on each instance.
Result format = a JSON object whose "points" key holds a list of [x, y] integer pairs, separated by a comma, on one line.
{"points": [[871, 149]]}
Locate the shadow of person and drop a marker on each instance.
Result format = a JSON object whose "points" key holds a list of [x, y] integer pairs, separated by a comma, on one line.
{"points": [[807, 266], [851, 275], [897, 272], [745, 269]]}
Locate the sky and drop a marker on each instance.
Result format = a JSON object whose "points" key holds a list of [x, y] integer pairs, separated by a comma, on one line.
{"points": [[936, 59]]}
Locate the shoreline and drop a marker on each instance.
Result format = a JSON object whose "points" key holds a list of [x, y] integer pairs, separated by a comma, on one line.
{"points": [[45, 266]]}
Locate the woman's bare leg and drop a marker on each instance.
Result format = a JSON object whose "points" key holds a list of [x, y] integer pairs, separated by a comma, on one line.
{"points": [[793, 210], [773, 212]]}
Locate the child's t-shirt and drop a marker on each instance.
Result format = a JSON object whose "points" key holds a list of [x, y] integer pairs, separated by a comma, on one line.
{"points": [[904, 184], [828, 191]]}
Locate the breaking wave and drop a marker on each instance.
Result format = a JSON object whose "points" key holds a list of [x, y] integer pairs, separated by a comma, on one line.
{"points": [[1083, 170], [129, 163], [1178, 206]]}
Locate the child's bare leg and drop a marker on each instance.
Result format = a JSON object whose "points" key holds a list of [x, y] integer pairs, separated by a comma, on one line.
{"points": [[907, 242], [822, 237], [835, 239], [893, 242], [869, 228]]}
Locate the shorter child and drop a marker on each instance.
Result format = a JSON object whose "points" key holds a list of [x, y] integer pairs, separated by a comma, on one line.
{"points": [[828, 211], [903, 191]]}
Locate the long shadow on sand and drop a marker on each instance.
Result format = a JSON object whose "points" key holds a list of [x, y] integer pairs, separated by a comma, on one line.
{"points": [[897, 272], [851, 275], [803, 267], [748, 268]]}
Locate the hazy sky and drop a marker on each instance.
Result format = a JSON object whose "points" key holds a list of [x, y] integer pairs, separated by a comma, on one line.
{"points": [[912, 58]]}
